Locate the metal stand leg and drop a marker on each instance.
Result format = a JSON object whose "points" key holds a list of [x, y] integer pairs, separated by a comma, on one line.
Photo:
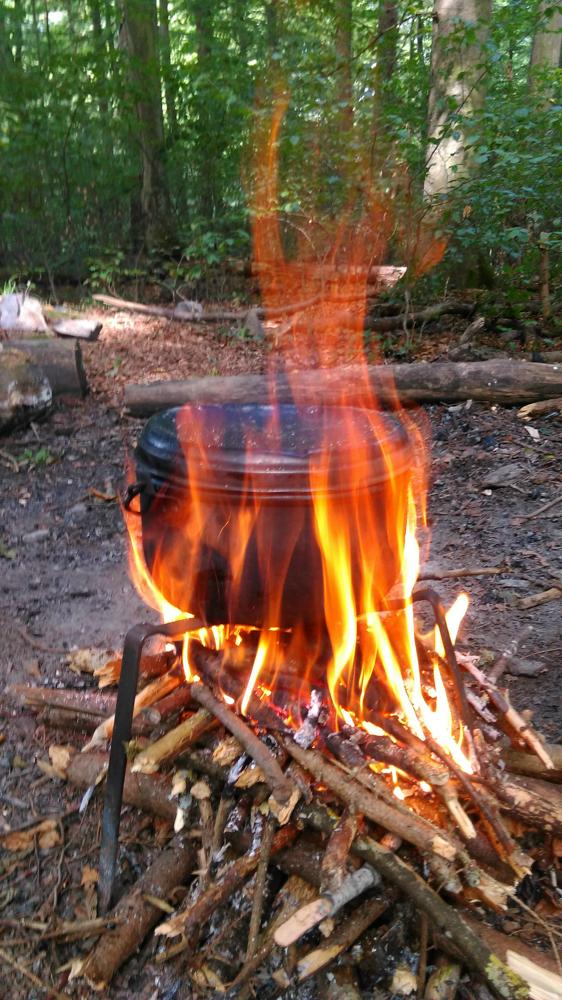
{"points": [[132, 650]]}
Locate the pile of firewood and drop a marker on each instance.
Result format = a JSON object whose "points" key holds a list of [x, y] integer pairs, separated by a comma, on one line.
{"points": [[292, 856]]}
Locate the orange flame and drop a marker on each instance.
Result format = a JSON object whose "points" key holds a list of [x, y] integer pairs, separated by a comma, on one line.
{"points": [[368, 546]]}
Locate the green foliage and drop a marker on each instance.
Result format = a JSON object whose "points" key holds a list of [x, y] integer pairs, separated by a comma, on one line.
{"points": [[70, 198]]}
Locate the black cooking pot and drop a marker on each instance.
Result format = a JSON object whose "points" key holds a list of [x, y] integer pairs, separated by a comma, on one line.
{"points": [[227, 505]]}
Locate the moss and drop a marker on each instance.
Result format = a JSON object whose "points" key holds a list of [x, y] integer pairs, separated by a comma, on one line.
{"points": [[504, 981]]}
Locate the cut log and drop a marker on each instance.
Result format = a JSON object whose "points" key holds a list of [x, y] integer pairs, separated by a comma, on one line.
{"points": [[501, 381], [60, 360], [82, 329], [25, 393]]}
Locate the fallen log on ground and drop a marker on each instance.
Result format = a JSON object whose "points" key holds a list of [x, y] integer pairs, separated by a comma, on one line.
{"points": [[499, 381], [60, 360], [136, 914]]}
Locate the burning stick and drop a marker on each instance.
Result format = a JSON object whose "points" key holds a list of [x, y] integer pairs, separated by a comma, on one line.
{"points": [[416, 831], [208, 664], [173, 742], [281, 787], [508, 713]]}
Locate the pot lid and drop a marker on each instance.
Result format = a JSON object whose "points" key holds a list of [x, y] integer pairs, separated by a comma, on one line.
{"points": [[232, 448]]}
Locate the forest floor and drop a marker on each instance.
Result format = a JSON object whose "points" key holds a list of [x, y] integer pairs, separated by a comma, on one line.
{"points": [[64, 584]]}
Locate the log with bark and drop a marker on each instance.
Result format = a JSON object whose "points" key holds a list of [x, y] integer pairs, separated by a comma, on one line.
{"points": [[136, 914], [60, 360], [501, 381]]}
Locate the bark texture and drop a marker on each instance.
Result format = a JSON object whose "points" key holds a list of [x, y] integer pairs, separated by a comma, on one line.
{"points": [[457, 88]]}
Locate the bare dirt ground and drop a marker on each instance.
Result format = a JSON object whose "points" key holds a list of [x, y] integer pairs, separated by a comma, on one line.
{"points": [[64, 583]]}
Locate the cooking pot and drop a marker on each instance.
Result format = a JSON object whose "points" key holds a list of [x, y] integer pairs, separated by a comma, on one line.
{"points": [[227, 502]]}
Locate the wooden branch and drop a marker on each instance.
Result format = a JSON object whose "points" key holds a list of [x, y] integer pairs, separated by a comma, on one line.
{"points": [[511, 717], [327, 905], [536, 968], [540, 408], [536, 802], [526, 763], [544, 597], [151, 794], [343, 937], [173, 742], [499, 381], [281, 787], [259, 888], [415, 830], [153, 692], [476, 954], [60, 360], [136, 915], [194, 916], [406, 320]]}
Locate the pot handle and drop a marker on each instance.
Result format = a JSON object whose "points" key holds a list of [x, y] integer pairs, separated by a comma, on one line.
{"points": [[142, 486]]}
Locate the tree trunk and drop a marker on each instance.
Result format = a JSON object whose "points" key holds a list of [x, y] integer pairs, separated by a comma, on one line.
{"points": [[504, 381], [387, 50], [167, 69], [387, 53], [457, 88], [343, 10], [546, 48], [206, 129], [139, 38]]}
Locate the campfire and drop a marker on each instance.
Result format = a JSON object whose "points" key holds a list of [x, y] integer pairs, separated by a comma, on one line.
{"points": [[331, 763], [334, 740]]}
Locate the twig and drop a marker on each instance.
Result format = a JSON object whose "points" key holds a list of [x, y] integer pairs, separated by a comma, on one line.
{"points": [[136, 915], [24, 971], [154, 691], [508, 713], [509, 652], [173, 742], [326, 905], [194, 916], [422, 964], [346, 934], [477, 955], [434, 573], [541, 510], [259, 887], [416, 830], [281, 787], [543, 597]]}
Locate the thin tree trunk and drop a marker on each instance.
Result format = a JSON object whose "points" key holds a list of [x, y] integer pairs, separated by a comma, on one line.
{"points": [[139, 38], [457, 89], [202, 13], [546, 48], [387, 51], [343, 10], [167, 69]]}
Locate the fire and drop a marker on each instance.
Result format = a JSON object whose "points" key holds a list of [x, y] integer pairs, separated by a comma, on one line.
{"points": [[363, 531]]}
